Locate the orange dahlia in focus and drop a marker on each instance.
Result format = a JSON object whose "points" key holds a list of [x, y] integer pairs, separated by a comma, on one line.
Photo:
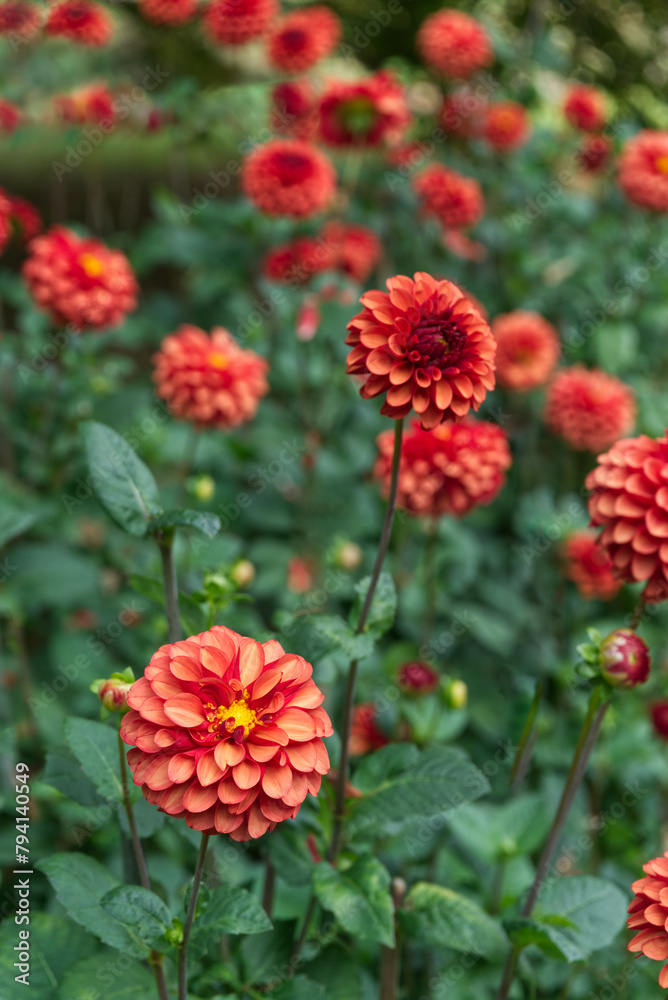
{"points": [[233, 22], [589, 409], [294, 109], [169, 12], [448, 470], [364, 112], [629, 500], [425, 346], [227, 733], [365, 733], [293, 263], [462, 113], [209, 380], [527, 349], [79, 280], [643, 170], [648, 914], [585, 108], [20, 19], [94, 103], [288, 177], [356, 248], [589, 566], [80, 21], [10, 116], [454, 44], [594, 152], [455, 200], [302, 38], [505, 125]]}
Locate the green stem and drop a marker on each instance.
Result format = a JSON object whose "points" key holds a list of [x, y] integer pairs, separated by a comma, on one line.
{"points": [[190, 915], [166, 545], [430, 579], [523, 755]]}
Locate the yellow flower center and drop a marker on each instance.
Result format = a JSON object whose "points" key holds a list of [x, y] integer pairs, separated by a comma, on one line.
{"points": [[218, 360], [91, 264], [233, 716], [661, 164]]}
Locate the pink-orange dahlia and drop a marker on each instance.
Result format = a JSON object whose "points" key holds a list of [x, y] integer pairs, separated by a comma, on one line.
{"points": [[356, 248], [170, 12], [227, 733], [589, 566], [594, 152], [585, 108], [234, 22], [589, 409], [643, 170], [505, 125], [288, 177], [455, 200], [448, 470], [629, 500], [302, 38], [365, 733], [80, 21], [209, 380], [78, 280], [364, 113], [454, 44], [20, 19], [527, 349], [294, 109], [10, 116], [424, 345], [648, 914]]}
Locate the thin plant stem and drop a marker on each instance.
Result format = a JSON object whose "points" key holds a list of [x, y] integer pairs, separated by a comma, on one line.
{"points": [[430, 578], [268, 891], [637, 615], [166, 545], [187, 924], [523, 755]]}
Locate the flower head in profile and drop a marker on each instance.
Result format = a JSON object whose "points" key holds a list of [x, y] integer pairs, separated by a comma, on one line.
{"points": [[425, 347], [169, 12], [365, 733], [648, 914], [643, 170], [417, 677], [234, 22], [294, 109], [302, 38], [20, 19], [209, 380], [288, 177], [589, 409], [585, 108], [448, 470], [454, 199], [364, 113], [505, 125], [294, 262], [227, 733], [594, 153], [79, 280], [624, 659], [454, 44], [527, 349], [589, 566], [355, 249], [81, 21]]}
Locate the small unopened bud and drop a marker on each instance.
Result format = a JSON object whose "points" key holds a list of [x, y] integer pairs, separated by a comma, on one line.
{"points": [[203, 487], [457, 694], [624, 658], [113, 694], [349, 555], [417, 677], [243, 573]]}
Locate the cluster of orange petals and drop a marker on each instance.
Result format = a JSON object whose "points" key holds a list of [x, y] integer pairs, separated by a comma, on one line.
{"points": [[353, 250], [585, 108], [169, 12], [589, 409], [455, 200], [234, 22], [505, 125], [527, 349], [365, 113], [20, 18], [648, 914], [589, 566], [448, 470], [643, 170], [629, 500], [227, 733], [209, 380], [93, 103], [454, 44], [79, 281], [81, 21], [302, 38], [424, 346], [288, 177]]}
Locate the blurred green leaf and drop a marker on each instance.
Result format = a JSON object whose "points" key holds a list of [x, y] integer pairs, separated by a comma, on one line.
{"points": [[442, 918], [205, 522], [359, 898], [95, 746], [383, 608], [141, 911]]}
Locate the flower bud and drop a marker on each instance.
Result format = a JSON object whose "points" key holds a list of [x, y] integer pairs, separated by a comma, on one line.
{"points": [[203, 487], [417, 677], [457, 694], [349, 555], [243, 573], [624, 658], [113, 691]]}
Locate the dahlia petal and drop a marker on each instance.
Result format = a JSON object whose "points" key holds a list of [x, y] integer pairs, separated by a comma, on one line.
{"points": [[655, 915], [272, 650], [225, 822], [246, 774], [401, 373], [249, 798], [420, 400], [228, 753], [627, 506], [251, 661], [663, 977], [139, 692], [308, 696], [299, 790], [268, 732], [260, 753], [215, 660], [208, 770], [165, 686], [293, 668], [302, 756], [642, 566], [165, 738], [379, 362], [442, 394], [314, 782], [185, 710], [156, 775], [656, 520], [297, 723], [274, 809], [258, 824], [171, 800], [185, 668], [203, 820], [657, 948], [322, 757], [181, 767], [197, 798], [230, 793], [399, 395], [265, 683], [276, 781]]}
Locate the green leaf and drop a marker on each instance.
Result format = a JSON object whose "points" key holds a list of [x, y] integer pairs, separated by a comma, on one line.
{"points": [[502, 831], [289, 854], [13, 522], [338, 971], [341, 636], [63, 771], [578, 914], [442, 918], [383, 608], [55, 943], [385, 764], [102, 978], [95, 746], [140, 910], [192, 615], [203, 520], [300, 988], [359, 898], [80, 883], [123, 484], [228, 910]]}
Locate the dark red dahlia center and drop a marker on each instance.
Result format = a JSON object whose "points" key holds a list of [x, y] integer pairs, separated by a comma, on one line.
{"points": [[293, 168], [438, 341], [294, 39]]}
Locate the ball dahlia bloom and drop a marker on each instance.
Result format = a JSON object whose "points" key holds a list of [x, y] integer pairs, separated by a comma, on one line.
{"points": [[20, 19], [643, 170], [302, 38], [79, 280], [170, 12], [527, 349], [294, 109], [455, 200], [589, 566], [10, 117], [234, 22], [594, 153], [585, 108], [588, 408], [209, 380], [227, 733], [80, 21], [648, 914], [417, 677], [424, 346], [288, 177], [624, 658], [454, 44], [505, 125], [355, 249], [630, 502], [293, 263], [448, 470], [364, 113]]}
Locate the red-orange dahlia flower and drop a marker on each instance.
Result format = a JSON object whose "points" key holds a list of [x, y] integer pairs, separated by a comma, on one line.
{"points": [[294, 109], [24, 216], [357, 248], [455, 200], [302, 38], [527, 349], [364, 113], [170, 12], [80, 21], [448, 470], [234, 22], [594, 152], [426, 346], [209, 380], [585, 108], [648, 914], [365, 733], [629, 500], [94, 103], [505, 125], [20, 19], [462, 113], [293, 263], [454, 44], [589, 409], [288, 177], [417, 677], [10, 116], [589, 566], [643, 170], [78, 280], [227, 733]]}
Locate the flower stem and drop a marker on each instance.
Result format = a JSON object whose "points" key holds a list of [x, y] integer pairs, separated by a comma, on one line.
{"points": [[527, 740], [166, 545], [187, 925]]}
